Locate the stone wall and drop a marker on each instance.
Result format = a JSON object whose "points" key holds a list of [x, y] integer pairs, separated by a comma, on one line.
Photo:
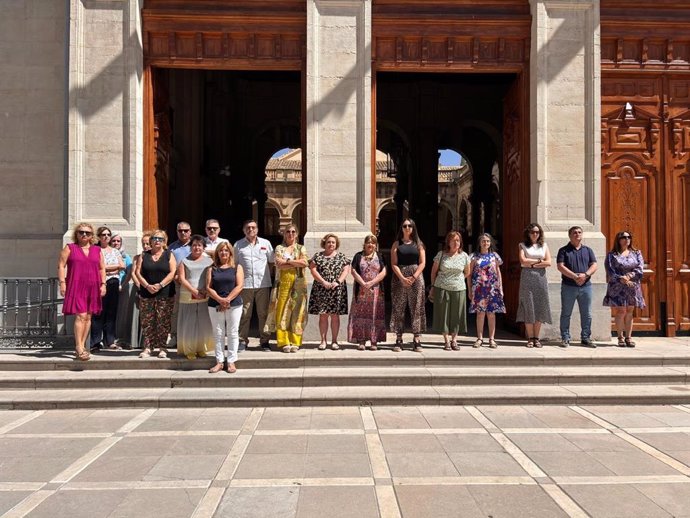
{"points": [[33, 39]]}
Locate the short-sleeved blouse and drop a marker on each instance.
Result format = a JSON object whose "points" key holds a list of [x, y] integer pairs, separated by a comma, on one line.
{"points": [[451, 271], [111, 257]]}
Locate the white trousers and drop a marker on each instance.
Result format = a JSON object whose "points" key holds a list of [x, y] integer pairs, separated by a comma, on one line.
{"points": [[226, 323]]}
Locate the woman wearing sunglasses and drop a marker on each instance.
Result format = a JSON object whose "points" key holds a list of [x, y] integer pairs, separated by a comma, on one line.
{"points": [[287, 314], [155, 271], [624, 269], [408, 258], [81, 274], [103, 327]]}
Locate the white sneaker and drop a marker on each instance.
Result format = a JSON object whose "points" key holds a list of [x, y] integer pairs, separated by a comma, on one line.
{"points": [[163, 353], [145, 353]]}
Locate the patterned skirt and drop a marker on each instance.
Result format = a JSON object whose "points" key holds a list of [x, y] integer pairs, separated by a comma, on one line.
{"points": [[367, 317], [408, 297]]}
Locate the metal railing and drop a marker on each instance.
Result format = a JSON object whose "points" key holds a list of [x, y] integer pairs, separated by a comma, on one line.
{"points": [[29, 310]]}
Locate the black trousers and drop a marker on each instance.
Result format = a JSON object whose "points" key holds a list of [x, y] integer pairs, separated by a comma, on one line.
{"points": [[103, 324]]}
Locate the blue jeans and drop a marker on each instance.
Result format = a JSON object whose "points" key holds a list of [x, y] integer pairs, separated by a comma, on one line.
{"points": [[583, 296]]}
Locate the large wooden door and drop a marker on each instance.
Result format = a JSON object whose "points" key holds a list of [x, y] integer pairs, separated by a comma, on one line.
{"points": [[515, 188], [646, 188]]}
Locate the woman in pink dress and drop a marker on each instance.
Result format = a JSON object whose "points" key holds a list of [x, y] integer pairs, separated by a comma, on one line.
{"points": [[81, 273]]}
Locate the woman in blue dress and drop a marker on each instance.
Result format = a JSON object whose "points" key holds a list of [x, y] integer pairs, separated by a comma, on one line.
{"points": [[486, 293], [624, 265]]}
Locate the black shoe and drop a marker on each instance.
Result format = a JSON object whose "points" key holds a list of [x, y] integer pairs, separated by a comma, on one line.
{"points": [[266, 347], [565, 343], [96, 347], [588, 342]]}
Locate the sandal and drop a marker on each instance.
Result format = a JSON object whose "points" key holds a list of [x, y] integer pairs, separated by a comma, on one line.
{"points": [[361, 347], [530, 343], [478, 343], [492, 343], [373, 347], [231, 368], [454, 345], [335, 346], [537, 343], [398, 345], [84, 355], [417, 344], [216, 368], [322, 346], [621, 341], [287, 348], [446, 347], [145, 353], [629, 342]]}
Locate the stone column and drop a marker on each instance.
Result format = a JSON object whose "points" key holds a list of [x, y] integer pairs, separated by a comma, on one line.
{"points": [[338, 127], [338, 121], [565, 139], [105, 173]]}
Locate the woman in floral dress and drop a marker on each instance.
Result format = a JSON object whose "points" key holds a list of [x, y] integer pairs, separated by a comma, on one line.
{"points": [[624, 268], [486, 294], [329, 292], [368, 310]]}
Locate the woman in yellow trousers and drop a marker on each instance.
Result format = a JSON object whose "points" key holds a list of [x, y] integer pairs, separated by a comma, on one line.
{"points": [[287, 314]]}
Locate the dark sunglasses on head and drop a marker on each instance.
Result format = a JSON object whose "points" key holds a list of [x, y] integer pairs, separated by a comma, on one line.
{"points": [[84, 233]]}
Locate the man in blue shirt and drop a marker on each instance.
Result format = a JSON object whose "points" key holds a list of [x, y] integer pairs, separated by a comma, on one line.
{"points": [[577, 263], [180, 249]]}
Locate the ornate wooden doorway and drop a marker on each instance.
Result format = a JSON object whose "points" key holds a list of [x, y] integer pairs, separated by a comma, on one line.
{"points": [[240, 36], [491, 38], [646, 151]]}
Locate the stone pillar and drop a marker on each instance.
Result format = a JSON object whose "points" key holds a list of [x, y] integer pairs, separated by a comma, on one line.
{"points": [[338, 121], [565, 139], [105, 174], [338, 127]]}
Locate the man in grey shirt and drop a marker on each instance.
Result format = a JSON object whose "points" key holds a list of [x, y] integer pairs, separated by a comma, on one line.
{"points": [[255, 254]]}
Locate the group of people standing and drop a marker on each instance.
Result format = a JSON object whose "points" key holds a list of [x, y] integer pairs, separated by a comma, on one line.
{"points": [[200, 292]]}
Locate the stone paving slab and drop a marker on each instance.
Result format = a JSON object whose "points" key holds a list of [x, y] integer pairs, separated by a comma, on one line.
{"points": [[385, 462]]}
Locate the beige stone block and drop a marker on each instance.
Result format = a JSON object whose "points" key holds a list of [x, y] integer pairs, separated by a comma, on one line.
{"points": [[44, 53]]}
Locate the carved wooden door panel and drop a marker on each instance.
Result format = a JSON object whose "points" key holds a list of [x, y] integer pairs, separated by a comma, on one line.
{"points": [[516, 192], [631, 190], [678, 205]]}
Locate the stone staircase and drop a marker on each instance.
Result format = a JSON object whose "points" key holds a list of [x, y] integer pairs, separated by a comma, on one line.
{"points": [[656, 372]]}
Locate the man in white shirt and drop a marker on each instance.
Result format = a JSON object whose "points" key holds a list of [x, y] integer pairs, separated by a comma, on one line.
{"points": [[212, 236], [255, 254]]}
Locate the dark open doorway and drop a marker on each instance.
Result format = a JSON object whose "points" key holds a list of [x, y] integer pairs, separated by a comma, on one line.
{"points": [[219, 130], [422, 116]]}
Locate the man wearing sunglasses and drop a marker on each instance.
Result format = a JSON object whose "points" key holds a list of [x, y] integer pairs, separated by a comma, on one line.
{"points": [[180, 248], [213, 238], [255, 254]]}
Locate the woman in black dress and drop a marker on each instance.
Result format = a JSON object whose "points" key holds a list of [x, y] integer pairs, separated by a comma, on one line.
{"points": [[328, 297]]}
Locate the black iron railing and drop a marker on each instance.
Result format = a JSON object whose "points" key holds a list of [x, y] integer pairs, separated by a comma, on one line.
{"points": [[29, 308]]}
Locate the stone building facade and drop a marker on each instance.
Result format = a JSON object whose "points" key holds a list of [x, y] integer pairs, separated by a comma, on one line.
{"points": [[87, 134]]}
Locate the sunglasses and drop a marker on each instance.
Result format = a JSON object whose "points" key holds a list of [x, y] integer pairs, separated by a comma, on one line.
{"points": [[84, 233], [104, 234], [213, 228], [534, 232], [184, 230], [157, 239], [406, 226], [291, 232], [625, 237]]}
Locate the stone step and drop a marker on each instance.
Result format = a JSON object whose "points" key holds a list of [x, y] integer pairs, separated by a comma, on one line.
{"points": [[351, 396], [432, 356], [343, 377]]}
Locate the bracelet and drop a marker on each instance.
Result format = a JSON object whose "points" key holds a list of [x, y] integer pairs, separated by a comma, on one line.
{"points": [[102, 284], [63, 282]]}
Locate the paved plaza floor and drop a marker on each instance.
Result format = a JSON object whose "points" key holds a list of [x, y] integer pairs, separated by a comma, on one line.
{"points": [[331, 462]]}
